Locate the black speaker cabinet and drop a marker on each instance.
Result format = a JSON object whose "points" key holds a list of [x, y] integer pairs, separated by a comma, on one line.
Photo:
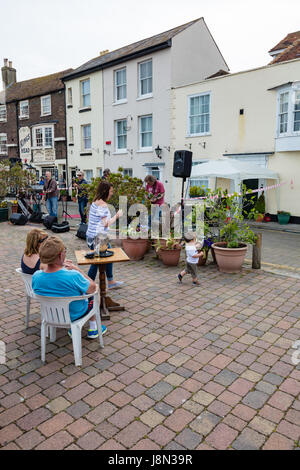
{"points": [[18, 219], [182, 164]]}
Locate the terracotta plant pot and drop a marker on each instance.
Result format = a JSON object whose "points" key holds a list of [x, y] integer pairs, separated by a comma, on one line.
{"points": [[213, 255], [260, 218], [170, 257], [135, 249], [229, 260]]}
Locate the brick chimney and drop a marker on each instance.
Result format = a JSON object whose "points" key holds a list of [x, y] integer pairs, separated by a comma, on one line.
{"points": [[9, 74]]}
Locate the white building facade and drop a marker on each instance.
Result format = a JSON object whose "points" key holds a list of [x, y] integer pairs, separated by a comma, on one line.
{"points": [[136, 109]]}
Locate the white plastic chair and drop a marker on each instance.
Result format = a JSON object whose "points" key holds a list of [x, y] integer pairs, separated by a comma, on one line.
{"points": [[27, 279], [55, 314]]}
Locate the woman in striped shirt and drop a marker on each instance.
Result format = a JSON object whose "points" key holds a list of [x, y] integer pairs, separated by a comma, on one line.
{"points": [[99, 221]]}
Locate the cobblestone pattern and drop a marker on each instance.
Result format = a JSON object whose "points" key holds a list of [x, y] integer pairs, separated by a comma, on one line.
{"points": [[183, 367]]}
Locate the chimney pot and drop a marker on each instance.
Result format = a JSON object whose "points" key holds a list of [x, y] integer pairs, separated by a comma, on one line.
{"points": [[10, 64], [5, 62]]}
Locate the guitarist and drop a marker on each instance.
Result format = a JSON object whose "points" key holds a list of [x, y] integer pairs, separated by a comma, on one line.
{"points": [[156, 193]]}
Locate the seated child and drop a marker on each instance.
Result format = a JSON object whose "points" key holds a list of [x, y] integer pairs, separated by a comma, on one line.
{"points": [[192, 257]]}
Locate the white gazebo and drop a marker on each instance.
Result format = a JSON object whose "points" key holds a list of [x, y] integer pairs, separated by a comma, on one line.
{"points": [[234, 170]]}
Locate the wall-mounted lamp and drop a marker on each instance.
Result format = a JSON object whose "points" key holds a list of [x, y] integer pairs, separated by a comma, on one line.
{"points": [[203, 144], [158, 151]]}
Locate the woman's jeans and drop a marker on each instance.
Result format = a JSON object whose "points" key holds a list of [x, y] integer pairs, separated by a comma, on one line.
{"points": [[94, 269]]}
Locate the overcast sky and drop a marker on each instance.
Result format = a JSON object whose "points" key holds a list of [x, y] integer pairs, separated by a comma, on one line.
{"points": [[42, 37]]}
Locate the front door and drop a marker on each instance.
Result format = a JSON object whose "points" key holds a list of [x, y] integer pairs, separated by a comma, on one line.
{"points": [[248, 202]]}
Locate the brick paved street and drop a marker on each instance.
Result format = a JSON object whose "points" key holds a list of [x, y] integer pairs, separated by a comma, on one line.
{"points": [[182, 368]]}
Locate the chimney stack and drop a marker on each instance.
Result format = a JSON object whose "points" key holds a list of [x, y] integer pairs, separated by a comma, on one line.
{"points": [[9, 74], [104, 52]]}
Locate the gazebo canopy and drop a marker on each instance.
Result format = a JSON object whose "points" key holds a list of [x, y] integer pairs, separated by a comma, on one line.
{"points": [[232, 169]]}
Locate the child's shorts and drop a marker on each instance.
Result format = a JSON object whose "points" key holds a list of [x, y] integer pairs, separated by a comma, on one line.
{"points": [[191, 268]]}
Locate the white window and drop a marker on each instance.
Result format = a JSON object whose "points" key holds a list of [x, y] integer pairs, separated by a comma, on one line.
{"points": [[3, 115], [199, 114], [43, 137], [71, 135], [88, 175], [145, 78], [24, 109], [297, 111], [154, 171], [121, 135], [201, 183], [127, 172], [85, 93], [70, 97], [283, 112], [46, 105], [120, 85], [146, 133], [3, 144], [86, 137]]}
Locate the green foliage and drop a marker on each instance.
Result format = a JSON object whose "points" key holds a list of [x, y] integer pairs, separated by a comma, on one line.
{"points": [[260, 205], [14, 178], [123, 186], [197, 191]]}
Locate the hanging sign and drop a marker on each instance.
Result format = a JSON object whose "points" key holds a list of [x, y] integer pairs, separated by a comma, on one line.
{"points": [[25, 143]]}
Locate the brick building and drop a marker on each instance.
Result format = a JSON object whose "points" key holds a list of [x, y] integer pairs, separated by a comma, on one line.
{"points": [[32, 121]]}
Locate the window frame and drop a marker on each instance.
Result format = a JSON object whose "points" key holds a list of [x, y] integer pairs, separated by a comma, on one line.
{"points": [[83, 139], [3, 119], [70, 96], [84, 106], [208, 132], [141, 148], [42, 109], [117, 148], [43, 128], [291, 90], [71, 135], [128, 172], [23, 116], [5, 151], [122, 100], [149, 94], [294, 111]]}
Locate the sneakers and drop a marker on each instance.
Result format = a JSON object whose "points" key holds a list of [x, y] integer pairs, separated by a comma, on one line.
{"points": [[115, 285], [197, 283], [92, 334], [179, 277]]}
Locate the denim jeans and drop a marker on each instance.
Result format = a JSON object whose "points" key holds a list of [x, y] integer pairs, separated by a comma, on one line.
{"points": [[94, 268], [52, 204], [82, 203]]}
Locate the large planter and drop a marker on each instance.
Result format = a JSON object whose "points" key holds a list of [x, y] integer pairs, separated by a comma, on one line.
{"points": [[283, 219], [135, 249], [170, 257], [3, 214], [229, 260]]}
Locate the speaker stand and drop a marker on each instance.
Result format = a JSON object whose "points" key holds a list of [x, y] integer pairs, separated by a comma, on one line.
{"points": [[182, 206]]}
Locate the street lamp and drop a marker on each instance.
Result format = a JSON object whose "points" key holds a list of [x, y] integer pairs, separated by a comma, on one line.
{"points": [[158, 151]]}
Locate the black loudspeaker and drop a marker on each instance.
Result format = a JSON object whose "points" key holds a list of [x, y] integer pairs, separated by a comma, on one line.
{"points": [[48, 221], [81, 232], [182, 164], [18, 219], [61, 228]]}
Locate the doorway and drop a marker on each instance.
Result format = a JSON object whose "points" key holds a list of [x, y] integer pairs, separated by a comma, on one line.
{"points": [[250, 199]]}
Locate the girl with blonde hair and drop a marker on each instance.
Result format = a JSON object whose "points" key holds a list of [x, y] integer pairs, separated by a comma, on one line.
{"points": [[30, 262]]}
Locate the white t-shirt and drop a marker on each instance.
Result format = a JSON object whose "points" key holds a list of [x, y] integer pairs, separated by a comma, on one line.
{"points": [[190, 251]]}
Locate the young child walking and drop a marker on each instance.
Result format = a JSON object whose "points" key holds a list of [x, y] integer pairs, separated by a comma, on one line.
{"points": [[192, 257]]}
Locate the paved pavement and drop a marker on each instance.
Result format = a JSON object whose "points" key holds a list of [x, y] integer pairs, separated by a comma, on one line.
{"points": [[182, 368]]}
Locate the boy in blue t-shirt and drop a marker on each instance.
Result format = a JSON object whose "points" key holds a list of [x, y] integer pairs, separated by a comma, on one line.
{"points": [[62, 278]]}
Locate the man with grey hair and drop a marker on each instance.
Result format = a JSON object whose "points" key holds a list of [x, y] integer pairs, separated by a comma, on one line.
{"points": [[51, 194]]}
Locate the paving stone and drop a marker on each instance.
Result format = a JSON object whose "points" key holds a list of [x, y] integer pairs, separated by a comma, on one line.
{"points": [[249, 440], [159, 391], [189, 439], [164, 408], [255, 399], [205, 423], [226, 377]]}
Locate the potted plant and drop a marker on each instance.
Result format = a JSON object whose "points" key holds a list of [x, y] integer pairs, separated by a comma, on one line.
{"points": [[136, 242], [235, 234], [197, 191], [283, 217], [170, 253], [63, 194], [3, 211], [260, 208]]}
